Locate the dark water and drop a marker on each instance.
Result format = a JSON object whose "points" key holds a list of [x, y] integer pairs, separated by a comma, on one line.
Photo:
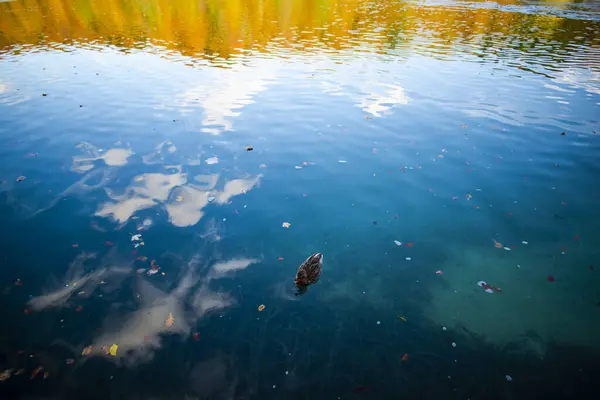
{"points": [[420, 146]]}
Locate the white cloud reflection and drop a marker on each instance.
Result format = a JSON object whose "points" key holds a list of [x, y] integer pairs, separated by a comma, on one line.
{"points": [[375, 98], [116, 157], [379, 103], [77, 284], [139, 333], [227, 94], [224, 268], [183, 201]]}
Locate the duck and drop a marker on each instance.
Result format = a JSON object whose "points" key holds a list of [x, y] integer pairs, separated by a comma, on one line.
{"points": [[309, 272]]}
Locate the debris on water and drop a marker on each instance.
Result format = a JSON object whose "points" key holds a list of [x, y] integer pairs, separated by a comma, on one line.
{"points": [[497, 244], [468, 196], [444, 328], [140, 270], [453, 344], [525, 242], [298, 167], [439, 272], [46, 375], [21, 178], [508, 378], [179, 199], [261, 307], [398, 243], [506, 248], [69, 361], [404, 357], [408, 258], [212, 160], [170, 321], [86, 351], [113, 350], [563, 133], [402, 318], [488, 288], [550, 278], [342, 161], [279, 258], [18, 282], [136, 238], [249, 148], [211, 198], [78, 308], [5, 375], [378, 322], [286, 225], [196, 336], [36, 372], [409, 244]]}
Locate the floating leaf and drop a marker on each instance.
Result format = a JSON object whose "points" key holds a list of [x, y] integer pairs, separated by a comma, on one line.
{"points": [[5, 375], [170, 321], [261, 307], [86, 350], [113, 350], [36, 372], [286, 224]]}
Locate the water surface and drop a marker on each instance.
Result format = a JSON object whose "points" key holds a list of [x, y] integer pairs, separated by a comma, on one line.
{"points": [[168, 165]]}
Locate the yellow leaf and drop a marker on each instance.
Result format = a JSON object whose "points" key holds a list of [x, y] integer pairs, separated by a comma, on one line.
{"points": [[113, 350], [87, 350], [261, 307], [170, 321]]}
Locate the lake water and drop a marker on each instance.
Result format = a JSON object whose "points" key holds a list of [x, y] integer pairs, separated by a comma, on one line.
{"points": [[167, 165]]}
